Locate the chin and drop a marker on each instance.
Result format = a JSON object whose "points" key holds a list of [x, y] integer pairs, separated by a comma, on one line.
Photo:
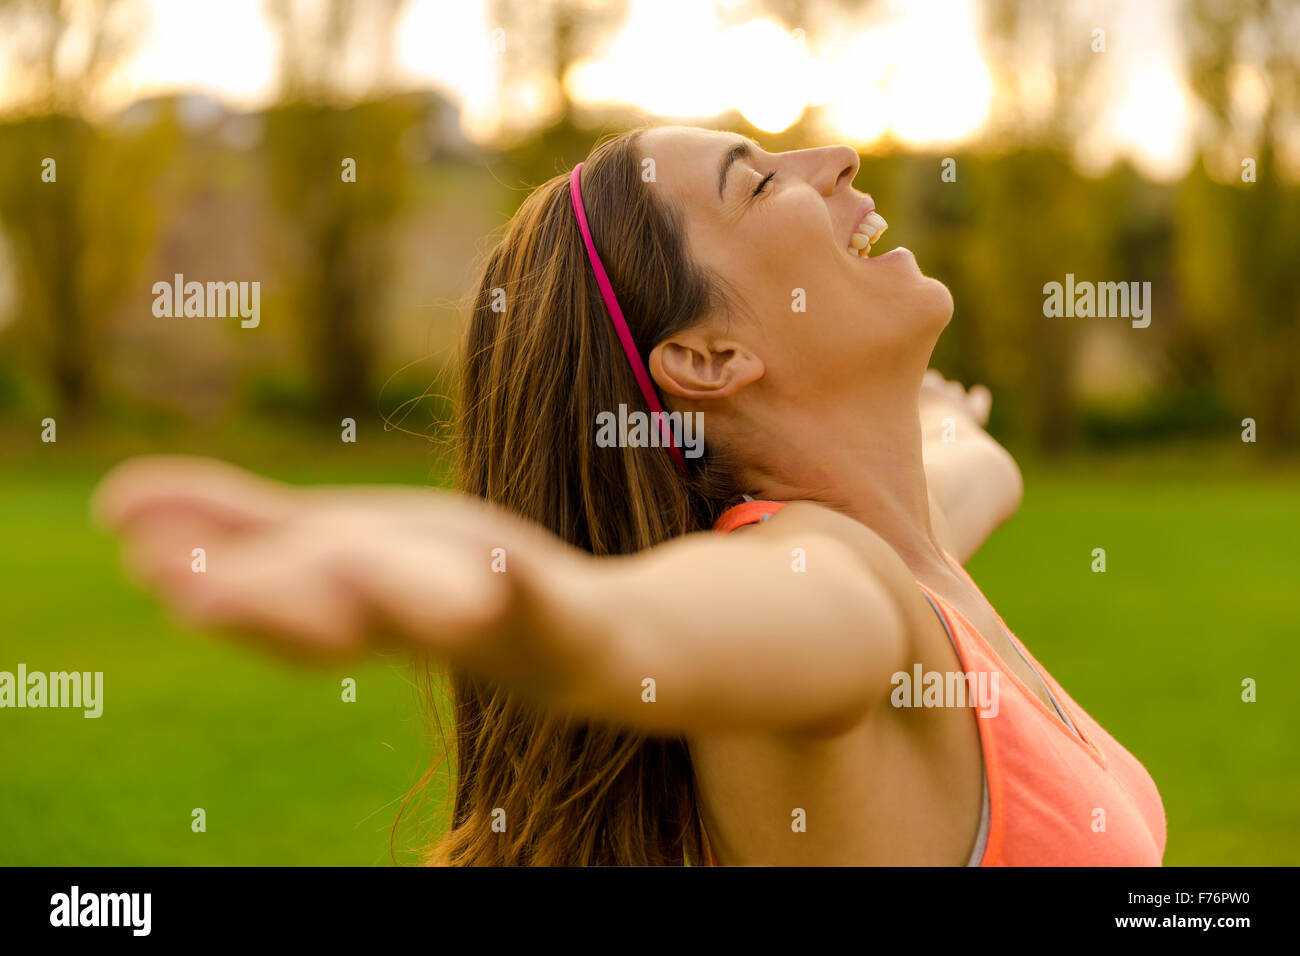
{"points": [[934, 305], [943, 303]]}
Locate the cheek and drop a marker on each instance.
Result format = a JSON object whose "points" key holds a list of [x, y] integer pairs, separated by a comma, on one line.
{"points": [[788, 272], [791, 247], [777, 280]]}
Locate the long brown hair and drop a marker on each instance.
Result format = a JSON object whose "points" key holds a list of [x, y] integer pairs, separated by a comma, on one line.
{"points": [[534, 376]]}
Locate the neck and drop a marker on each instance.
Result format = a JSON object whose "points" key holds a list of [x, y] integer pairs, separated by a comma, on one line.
{"points": [[861, 457]]}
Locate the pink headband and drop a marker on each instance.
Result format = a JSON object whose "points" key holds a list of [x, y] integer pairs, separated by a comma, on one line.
{"points": [[620, 324]]}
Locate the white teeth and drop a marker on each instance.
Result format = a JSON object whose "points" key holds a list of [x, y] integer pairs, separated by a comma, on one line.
{"points": [[875, 224], [869, 231]]}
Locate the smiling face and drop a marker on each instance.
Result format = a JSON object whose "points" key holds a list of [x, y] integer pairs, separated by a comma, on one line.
{"points": [[769, 224]]}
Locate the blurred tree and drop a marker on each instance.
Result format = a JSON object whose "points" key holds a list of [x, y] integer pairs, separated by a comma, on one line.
{"points": [[81, 238], [536, 42], [62, 49], [1043, 61], [1044, 64], [1241, 281], [332, 53]]}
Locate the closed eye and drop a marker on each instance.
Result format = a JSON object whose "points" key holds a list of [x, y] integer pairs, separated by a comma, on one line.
{"points": [[763, 184]]}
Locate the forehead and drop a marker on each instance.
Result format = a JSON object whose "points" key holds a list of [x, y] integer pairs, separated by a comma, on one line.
{"points": [[686, 161]]}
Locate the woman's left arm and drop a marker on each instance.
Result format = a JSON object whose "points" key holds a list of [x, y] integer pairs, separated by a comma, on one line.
{"points": [[975, 485]]}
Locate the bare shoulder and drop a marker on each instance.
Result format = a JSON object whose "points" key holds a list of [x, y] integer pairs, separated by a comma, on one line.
{"points": [[810, 522]]}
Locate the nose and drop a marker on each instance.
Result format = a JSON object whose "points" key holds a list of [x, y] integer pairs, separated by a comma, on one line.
{"points": [[833, 166]]}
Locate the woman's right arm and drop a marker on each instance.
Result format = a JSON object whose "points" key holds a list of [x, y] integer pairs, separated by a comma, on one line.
{"points": [[793, 625]]}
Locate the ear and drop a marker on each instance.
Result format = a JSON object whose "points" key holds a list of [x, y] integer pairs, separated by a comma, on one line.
{"points": [[693, 365]]}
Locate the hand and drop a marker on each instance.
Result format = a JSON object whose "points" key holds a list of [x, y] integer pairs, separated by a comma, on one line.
{"points": [[321, 573], [974, 483], [941, 399]]}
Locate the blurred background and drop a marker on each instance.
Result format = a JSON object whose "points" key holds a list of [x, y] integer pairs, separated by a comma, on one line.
{"points": [[1155, 142]]}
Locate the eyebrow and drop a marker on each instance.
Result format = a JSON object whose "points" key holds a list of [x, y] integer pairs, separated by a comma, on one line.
{"points": [[740, 151]]}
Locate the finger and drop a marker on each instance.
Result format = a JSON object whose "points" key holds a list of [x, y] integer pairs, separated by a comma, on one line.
{"points": [[269, 591], [157, 486], [165, 553], [932, 379]]}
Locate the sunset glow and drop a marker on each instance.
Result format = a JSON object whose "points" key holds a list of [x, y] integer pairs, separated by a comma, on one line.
{"points": [[914, 74]]}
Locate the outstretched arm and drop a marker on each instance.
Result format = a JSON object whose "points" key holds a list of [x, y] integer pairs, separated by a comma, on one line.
{"points": [[732, 634], [975, 484]]}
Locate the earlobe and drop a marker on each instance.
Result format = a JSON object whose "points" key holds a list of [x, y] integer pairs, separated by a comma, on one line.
{"points": [[693, 367]]}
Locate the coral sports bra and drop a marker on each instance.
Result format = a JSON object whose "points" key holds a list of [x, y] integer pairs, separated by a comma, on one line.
{"points": [[1058, 789]]}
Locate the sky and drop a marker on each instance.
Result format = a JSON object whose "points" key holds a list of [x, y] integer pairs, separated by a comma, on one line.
{"points": [[915, 73]]}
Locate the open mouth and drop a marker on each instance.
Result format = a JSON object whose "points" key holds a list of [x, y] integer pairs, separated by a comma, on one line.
{"points": [[865, 234]]}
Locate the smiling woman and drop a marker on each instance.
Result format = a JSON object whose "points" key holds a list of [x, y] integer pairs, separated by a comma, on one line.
{"points": [[637, 680]]}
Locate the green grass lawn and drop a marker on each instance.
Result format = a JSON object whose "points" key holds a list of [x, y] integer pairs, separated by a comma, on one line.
{"points": [[1200, 592], [286, 772]]}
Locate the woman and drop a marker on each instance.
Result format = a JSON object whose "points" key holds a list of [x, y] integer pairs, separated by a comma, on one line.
{"points": [[631, 685]]}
